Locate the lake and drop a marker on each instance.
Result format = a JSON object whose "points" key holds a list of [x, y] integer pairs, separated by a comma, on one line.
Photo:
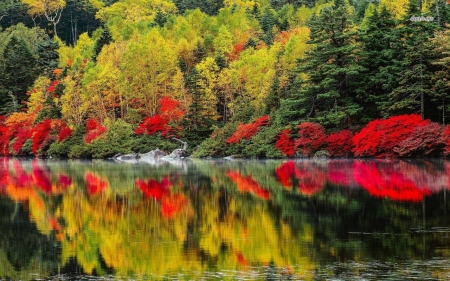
{"points": [[224, 220]]}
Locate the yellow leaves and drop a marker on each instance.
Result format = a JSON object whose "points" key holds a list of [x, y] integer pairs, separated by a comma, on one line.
{"points": [[241, 3], [397, 8], [40, 7]]}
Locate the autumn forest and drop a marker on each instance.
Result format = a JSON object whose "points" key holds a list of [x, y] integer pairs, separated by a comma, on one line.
{"points": [[249, 78]]}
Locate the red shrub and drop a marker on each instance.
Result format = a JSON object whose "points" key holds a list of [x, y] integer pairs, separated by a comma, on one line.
{"points": [[380, 137], [64, 133], [246, 131], [285, 144], [311, 138], [423, 141], [23, 134], [40, 133], [340, 144], [151, 125], [41, 177], [445, 139], [93, 130]]}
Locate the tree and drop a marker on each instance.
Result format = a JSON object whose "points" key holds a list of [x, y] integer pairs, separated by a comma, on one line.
{"points": [[377, 57], [18, 74], [199, 119], [51, 9], [47, 56], [414, 79], [328, 95]]}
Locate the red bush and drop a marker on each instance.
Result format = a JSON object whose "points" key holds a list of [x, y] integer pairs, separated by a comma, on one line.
{"points": [[93, 130], [151, 125], [23, 134], [246, 131], [423, 141], [445, 139], [285, 144], [40, 133], [380, 137], [53, 84], [340, 144], [64, 133], [311, 138]]}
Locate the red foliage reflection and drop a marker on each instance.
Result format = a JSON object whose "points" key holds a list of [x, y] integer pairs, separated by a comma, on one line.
{"points": [[310, 178], [248, 184], [171, 204], [95, 184], [387, 183]]}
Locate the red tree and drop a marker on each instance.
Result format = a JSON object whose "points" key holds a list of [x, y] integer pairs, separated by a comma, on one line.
{"points": [[311, 138], [340, 144], [424, 140]]}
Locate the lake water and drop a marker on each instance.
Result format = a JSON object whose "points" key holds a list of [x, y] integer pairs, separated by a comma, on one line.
{"points": [[224, 220]]}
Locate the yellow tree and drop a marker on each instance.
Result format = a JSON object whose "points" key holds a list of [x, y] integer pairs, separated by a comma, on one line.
{"points": [[51, 9]]}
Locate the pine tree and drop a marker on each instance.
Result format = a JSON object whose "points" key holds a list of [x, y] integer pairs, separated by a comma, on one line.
{"points": [[104, 39], [328, 96], [47, 56], [18, 73], [377, 57], [199, 120], [414, 79]]}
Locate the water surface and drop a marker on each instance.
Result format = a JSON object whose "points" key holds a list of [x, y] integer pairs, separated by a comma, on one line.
{"points": [[224, 220]]}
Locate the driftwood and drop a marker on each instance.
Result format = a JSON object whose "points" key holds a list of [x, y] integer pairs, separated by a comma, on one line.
{"points": [[178, 153]]}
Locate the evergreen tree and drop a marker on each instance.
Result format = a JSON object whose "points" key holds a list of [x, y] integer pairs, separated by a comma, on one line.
{"points": [[328, 96], [104, 39], [18, 73], [377, 57], [414, 79], [47, 56], [199, 120], [268, 21]]}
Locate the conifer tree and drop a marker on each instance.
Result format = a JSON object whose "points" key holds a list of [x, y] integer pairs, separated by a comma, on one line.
{"points": [[199, 120], [377, 57], [47, 56], [18, 74], [414, 75], [327, 96]]}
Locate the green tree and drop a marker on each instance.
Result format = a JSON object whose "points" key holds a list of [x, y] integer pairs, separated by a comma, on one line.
{"points": [[18, 74], [414, 79], [377, 57], [47, 56], [199, 120], [328, 95]]}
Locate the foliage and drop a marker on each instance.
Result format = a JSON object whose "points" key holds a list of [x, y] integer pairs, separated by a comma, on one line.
{"points": [[246, 131], [311, 138], [93, 130], [340, 144], [285, 144], [382, 138]]}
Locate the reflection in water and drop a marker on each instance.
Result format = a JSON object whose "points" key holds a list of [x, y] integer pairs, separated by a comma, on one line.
{"points": [[299, 220]]}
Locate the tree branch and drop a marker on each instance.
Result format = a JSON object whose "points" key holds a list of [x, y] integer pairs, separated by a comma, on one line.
{"points": [[185, 144]]}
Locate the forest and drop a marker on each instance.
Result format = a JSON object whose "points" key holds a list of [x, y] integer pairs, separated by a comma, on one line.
{"points": [[249, 78]]}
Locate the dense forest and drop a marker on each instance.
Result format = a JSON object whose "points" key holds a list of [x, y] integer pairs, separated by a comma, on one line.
{"points": [[262, 78]]}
